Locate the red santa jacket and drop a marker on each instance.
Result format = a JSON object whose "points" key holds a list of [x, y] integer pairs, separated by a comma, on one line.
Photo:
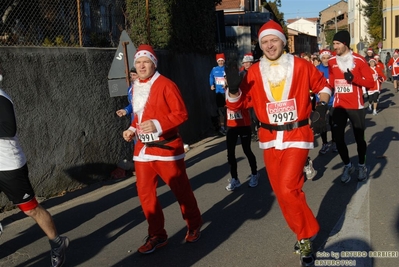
{"points": [[350, 95], [166, 108], [241, 117], [378, 77], [393, 65], [302, 77]]}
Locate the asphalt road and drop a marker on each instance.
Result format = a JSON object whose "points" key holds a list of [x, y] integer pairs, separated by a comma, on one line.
{"points": [[359, 221]]}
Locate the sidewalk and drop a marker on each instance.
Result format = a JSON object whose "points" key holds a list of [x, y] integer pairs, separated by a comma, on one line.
{"points": [[242, 228]]}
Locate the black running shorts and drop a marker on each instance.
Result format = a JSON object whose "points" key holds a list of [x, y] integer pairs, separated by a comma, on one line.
{"points": [[16, 185]]}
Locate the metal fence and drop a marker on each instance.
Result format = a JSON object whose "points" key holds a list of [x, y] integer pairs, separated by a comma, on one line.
{"points": [[62, 23]]}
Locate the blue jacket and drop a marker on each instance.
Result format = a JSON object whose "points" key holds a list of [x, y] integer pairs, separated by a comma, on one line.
{"points": [[324, 70], [216, 77], [129, 108]]}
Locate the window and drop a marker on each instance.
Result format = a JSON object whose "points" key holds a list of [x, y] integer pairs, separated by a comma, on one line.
{"points": [[384, 28], [396, 26], [87, 15]]}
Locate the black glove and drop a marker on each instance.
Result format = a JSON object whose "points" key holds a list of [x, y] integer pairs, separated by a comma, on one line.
{"points": [[318, 118], [233, 79], [348, 76]]}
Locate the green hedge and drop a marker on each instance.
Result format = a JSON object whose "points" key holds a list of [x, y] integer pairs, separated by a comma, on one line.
{"points": [[175, 25]]}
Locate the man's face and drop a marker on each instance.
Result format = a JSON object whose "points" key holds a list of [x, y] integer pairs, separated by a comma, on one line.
{"points": [[220, 62], [340, 48], [272, 46], [133, 76], [324, 60], [145, 67], [395, 55]]}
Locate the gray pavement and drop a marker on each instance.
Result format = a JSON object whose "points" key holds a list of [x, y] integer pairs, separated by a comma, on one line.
{"points": [[242, 228]]}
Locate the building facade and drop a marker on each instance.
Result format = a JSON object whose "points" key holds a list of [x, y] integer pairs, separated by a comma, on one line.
{"points": [[332, 19], [390, 25]]}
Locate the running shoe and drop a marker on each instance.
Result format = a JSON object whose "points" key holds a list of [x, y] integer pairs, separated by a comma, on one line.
{"points": [[346, 175], [362, 175], [334, 147], [369, 107], [306, 252], [58, 254], [151, 244], [193, 235], [253, 180], [375, 112], [233, 184], [309, 171], [324, 149]]}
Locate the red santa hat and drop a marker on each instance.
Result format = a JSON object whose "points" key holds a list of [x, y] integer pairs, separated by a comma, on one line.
{"points": [[272, 27], [145, 50], [220, 57], [325, 52], [370, 50], [248, 58], [373, 59], [377, 57], [396, 52]]}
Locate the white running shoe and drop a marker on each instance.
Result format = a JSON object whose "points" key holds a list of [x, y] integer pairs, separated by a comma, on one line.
{"points": [[362, 175], [346, 175], [309, 171], [233, 184]]}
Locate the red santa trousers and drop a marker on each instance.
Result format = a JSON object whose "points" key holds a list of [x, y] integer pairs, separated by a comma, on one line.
{"points": [[285, 172], [173, 173]]}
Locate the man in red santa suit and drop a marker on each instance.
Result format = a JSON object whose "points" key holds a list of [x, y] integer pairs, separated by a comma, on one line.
{"points": [[158, 111], [349, 73], [393, 66], [279, 86]]}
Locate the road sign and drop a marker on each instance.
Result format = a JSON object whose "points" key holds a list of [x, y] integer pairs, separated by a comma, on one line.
{"points": [[118, 75]]}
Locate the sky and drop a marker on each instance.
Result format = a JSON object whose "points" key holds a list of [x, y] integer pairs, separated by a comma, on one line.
{"points": [[304, 8]]}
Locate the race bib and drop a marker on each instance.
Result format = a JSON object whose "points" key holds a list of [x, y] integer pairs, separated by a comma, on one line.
{"points": [[282, 111], [342, 86], [231, 115], [219, 80], [145, 137]]}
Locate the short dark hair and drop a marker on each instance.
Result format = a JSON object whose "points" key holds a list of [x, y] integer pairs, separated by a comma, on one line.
{"points": [[133, 70]]}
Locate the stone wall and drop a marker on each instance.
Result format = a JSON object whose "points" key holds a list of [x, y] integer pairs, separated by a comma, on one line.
{"points": [[66, 120]]}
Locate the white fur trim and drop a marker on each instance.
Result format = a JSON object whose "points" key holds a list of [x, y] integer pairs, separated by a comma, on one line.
{"points": [[145, 53], [273, 32]]}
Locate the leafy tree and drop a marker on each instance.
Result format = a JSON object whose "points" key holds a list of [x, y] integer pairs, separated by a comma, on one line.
{"points": [[373, 13], [183, 26]]}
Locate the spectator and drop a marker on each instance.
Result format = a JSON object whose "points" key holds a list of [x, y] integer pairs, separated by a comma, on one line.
{"points": [[388, 72]]}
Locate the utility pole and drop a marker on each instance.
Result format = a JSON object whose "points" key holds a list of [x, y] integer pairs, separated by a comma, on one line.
{"points": [[147, 4]]}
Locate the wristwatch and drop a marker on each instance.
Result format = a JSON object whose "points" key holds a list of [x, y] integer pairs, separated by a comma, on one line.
{"points": [[323, 103]]}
